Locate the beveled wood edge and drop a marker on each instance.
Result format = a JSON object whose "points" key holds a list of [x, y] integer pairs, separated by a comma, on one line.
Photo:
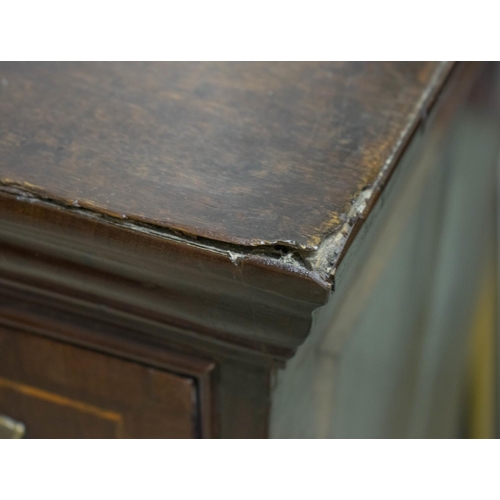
{"points": [[334, 246], [102, 318], [277, 257], [259, 308], [23, 216]]}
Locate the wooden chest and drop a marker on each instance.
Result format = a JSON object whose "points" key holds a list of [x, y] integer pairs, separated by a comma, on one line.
{"points": [[242, 249]]}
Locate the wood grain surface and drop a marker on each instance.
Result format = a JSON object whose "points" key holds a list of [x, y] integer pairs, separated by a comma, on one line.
{"points": [[152, 214], [244, 153], [61, 391]]}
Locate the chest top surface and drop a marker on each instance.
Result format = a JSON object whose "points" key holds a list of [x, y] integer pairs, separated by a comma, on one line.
{"points": [[250, 154]]}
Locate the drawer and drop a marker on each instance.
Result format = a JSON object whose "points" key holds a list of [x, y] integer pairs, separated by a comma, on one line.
{"points": [[61, 391]]}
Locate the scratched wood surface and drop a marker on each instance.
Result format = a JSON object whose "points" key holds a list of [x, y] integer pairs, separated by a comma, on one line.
{"points": [[245, 153]]}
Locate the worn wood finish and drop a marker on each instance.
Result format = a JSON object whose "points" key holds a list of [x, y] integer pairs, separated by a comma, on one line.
{"points": [[260, 306], [192, 218], [386, 358], [216, 150], [256, 299], [60, 391]]}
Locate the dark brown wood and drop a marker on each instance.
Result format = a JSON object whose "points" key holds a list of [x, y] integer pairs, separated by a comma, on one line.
{"points": [[249, 153], [23, 311], [261, 305], [60, 391], [257, 299], [244, 400], [189, 219]]}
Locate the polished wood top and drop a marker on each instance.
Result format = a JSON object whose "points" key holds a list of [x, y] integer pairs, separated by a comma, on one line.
{"points": [[243, 153]]}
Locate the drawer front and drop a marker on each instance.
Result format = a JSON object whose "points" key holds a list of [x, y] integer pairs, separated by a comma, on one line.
{"points": [[61, 391]]}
